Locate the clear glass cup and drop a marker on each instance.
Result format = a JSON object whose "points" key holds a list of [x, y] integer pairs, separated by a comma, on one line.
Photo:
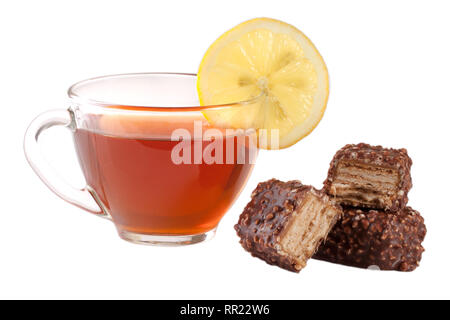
{"points": [[153, 164]]}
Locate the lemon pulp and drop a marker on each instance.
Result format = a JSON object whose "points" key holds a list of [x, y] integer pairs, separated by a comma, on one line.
{"points": [[275, 64]]}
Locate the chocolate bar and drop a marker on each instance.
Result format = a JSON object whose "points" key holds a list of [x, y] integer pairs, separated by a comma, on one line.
{"points": [[285, 222], [375, 238], [370, 177]]}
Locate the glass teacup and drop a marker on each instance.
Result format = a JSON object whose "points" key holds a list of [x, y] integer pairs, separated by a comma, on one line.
{"points": [[152, 162]]}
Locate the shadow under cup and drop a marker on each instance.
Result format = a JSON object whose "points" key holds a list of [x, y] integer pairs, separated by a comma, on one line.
{"points": [[151, 160]]}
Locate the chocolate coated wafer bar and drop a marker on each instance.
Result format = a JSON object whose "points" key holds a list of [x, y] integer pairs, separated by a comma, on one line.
{"points": [[370, 177], [284, 223], [376, 238]]}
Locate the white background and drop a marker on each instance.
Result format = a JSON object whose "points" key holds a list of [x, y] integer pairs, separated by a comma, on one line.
{"points": [[390, 77]]}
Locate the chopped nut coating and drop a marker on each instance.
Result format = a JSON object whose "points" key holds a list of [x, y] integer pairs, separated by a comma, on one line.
{"points": [[370, 177], [365, 238], [284, 223]]}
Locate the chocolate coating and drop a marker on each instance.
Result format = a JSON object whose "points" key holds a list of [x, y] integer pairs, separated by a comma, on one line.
{"points": [[375, 238], [266, 216], [396, 159]]}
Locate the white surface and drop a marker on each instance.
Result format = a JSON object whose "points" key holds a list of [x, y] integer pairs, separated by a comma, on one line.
{"points": [[389, 72]]}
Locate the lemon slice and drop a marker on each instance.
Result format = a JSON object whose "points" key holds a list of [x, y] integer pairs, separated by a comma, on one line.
{"points": [[274, 67]]}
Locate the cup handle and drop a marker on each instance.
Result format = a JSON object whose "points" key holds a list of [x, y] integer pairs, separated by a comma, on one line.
{"points": [[80, 198]]}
